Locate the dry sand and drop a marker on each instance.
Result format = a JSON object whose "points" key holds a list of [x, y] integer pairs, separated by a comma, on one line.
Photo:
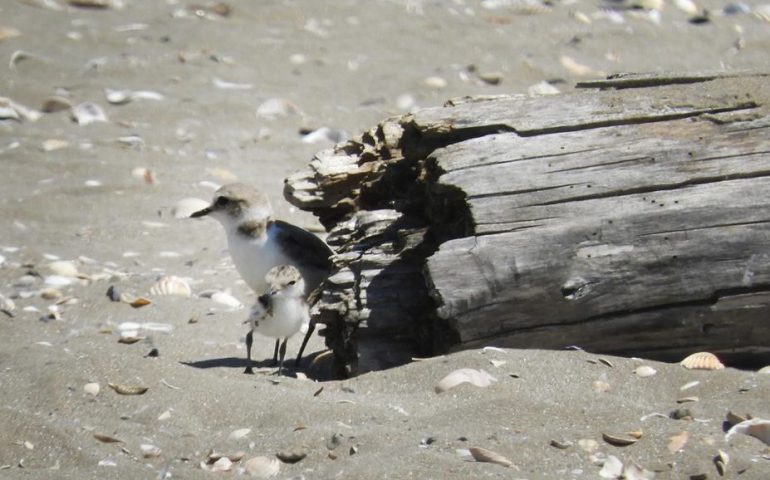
{"points": [[344, 66]]}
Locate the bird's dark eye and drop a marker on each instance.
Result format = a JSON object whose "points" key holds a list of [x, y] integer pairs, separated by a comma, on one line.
{"points": [[292, 282], [222, 201]]}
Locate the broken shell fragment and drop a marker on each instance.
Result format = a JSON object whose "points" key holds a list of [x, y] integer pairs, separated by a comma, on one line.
{"points": [[171, 285], [56, 104], [478, 378], [756, 427], [702, 361], [140, 302], [720, 461], [91, 388], [128, 389], [619, 441], [63, 268], [262, 467], [149, 451], [106, 438], [226, 299], [677, 442], [238, 434], [483, 455], [87, 113], [644, 371], [291, 456], [612, 468]]}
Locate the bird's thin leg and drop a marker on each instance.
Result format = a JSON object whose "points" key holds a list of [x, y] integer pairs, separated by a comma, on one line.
{"points": [[310, 330], [275, 352], [249, 340], [283, 354]]}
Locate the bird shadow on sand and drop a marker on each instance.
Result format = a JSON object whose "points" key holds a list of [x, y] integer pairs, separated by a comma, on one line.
{"points": [[307, 366]]}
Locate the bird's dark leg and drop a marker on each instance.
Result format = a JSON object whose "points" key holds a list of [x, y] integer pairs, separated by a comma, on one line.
{"points": [[275, 352], [249, 340], [310, 330], [283, 354]]}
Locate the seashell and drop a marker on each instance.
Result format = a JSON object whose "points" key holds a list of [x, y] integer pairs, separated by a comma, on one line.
{"points": [[118, 97], [435, 82], [53, 144], [226, 85], [689, 385], [600, 386], [233, 457], [8, 32], [687, 6], [762, 12], [65, 268], [262, 467], [7, 305], [756, 427], [612, 468], [187, 206], [165, 415], [619, 441], [702, 361], [644, 371], [87, 113], [576, 68], [224, 464], [764, 370], [56, 104], [677, 442], [139, 302], [129, 337], [633, 471], [91, 388], [478, 378], [734, 419], [226, 299], [149, 450], [58, 280], [145, 174], [720, 461], [483, 455], [51, 294], [91, 3], [276, 107], [291, 456], [238, 434], [10, 110], [687, 399], [128, 389], [560, 444], [171, 285], [325, 134], [106, 438], [588, 445]]}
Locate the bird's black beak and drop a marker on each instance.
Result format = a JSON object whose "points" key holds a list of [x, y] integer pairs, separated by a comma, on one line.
{"points": [[264, 300], [201, 213]]}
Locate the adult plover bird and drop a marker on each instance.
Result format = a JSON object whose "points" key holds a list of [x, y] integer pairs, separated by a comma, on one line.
{"points": [[258, 243], [280, 312]]}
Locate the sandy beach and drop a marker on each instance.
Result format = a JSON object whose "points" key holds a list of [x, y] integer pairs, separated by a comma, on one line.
{"points": [[114, 116]]}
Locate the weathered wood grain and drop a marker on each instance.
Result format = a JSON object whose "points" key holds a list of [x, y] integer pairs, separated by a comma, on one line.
{"points": [[634, 219]]}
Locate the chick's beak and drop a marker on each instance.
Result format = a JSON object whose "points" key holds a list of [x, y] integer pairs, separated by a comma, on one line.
{"points": [[202, 213]]}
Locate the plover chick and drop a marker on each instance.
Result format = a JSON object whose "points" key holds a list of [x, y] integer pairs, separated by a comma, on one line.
{"points": [[280, 312], [258, 243]]}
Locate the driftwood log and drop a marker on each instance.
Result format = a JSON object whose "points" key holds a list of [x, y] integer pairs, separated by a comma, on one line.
{"points": [[630, 217]]}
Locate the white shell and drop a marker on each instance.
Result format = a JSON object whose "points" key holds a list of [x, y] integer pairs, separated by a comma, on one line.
{"points": [[149, 451], [756, 427], [702, 361], [644, 371], [87, 113], [483, 455], [187, 206], [65, 268], [612, 467], [226, 299], [238, 434], [224, 464], [92, 388], [262, 467], [276, 107], [478, 378], [171, 285]]}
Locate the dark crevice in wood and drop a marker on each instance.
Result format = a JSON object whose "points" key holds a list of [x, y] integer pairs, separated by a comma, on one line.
{"points": [[633, 120], [706, 227], [649, 188], [526, 158], [606, 164], [625, 80]]}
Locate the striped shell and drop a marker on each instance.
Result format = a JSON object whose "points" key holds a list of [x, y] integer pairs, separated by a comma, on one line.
{"points": [[171, 285], [702, 361]]}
